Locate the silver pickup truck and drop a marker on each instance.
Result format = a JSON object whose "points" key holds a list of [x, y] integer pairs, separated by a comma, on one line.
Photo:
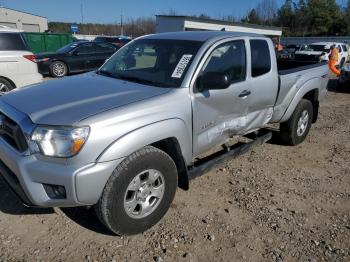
{"points": [[123, 138]]}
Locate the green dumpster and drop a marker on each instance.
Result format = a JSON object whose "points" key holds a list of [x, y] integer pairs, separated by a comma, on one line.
{"points": [[47, 42]]}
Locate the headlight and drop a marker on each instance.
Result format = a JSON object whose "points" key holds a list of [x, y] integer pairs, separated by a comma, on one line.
{"points": [[58, 141]]}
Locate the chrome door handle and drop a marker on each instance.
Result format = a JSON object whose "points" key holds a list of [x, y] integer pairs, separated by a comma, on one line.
{"points": [[244, 93]]}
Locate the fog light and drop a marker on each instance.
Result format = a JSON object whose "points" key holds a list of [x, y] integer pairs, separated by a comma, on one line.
{"points": [[55, 191]]}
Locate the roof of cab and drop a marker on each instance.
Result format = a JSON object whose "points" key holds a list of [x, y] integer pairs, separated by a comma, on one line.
{"points": [[198, 35]]}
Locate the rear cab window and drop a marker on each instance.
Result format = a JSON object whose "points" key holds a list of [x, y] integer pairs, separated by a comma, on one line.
{"points": [[260, 57], [12, 42]]}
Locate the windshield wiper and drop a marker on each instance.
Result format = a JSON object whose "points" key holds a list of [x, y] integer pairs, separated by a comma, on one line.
{"points": [[139, 80], [105, 73]]}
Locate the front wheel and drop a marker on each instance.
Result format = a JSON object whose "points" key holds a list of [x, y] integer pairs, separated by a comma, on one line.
{"points": [[139, 192], [295, 130]]}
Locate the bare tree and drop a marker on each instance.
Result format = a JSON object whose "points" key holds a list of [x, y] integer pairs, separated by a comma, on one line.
{"points": [[267, 10]]}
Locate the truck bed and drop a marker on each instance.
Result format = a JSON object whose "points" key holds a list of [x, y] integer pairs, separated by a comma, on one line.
{"points": [[284, 66], [293, 75]]}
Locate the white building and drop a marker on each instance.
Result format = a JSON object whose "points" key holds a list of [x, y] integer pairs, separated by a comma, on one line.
{"points": [[22, 21], [166, 23]]}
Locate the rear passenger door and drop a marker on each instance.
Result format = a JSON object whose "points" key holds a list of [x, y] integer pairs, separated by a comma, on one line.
{"points": [[263, 81]]}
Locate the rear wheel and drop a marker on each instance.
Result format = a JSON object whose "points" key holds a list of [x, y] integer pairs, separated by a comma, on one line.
{"points": [[295, 130], [5, 86], [139, 192], [58, 69]]}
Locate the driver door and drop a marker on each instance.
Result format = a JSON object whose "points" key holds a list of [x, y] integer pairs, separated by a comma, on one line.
{"points": [[220, 114]]}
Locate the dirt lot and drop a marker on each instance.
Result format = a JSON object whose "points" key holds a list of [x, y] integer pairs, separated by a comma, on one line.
{"points": [[275, 203]]}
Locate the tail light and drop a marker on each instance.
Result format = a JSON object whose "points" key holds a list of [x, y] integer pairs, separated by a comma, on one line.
{"points": [[30, 57]]}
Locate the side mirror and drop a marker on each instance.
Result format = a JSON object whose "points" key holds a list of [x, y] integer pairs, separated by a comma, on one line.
{"points": [[75, 52], [213, 81]]}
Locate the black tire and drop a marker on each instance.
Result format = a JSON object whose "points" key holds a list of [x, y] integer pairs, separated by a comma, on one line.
{"points": [[58, 69], [289, 133], [110, 208], [5, 86]]}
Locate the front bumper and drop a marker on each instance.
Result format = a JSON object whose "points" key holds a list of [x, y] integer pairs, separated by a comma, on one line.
{"points": [[27, 175]]}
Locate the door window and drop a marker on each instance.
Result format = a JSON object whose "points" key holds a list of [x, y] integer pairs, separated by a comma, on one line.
{"points": [[12, 41], [104, 48], [261, 58], [229, 58], [339, 48], [85, 49]]}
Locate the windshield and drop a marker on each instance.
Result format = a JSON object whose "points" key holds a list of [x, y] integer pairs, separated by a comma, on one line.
{"points": [[67, 48], [315, 48], [152, 61]]}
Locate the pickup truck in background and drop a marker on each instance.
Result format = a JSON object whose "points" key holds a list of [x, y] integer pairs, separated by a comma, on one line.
{"points": [[123, 138], [319, 52]]}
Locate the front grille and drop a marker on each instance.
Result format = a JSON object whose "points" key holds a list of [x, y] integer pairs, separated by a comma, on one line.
{"points": [[11, 132]]}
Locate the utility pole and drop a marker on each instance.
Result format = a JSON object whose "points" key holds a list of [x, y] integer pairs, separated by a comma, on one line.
{"points": [[81, 12], [121, 25]]}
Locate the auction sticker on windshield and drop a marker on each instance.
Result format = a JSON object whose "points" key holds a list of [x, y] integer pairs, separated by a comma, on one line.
{"points": [[181, 66]]}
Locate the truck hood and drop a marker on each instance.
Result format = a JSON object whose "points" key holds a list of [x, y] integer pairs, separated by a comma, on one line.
{"points": [[69, 100]]}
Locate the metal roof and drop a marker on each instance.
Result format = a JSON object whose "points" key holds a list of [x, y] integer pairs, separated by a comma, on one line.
{"points": [[222, 22], [197, 35], [2, 7]]}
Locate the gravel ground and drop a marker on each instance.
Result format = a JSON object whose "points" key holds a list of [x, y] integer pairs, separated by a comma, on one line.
{"points": [[275, 203]]}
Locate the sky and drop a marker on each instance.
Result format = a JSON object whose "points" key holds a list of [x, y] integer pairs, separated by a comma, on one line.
{"points": [[109, 11]]}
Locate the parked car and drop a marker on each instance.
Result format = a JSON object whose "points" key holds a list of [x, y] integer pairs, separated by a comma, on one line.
{"points": [[118, 41], [76, 57], [288, 53], [321, 51], [17, 68], [124, 137]]}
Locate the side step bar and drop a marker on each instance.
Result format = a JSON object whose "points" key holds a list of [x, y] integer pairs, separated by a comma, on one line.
{"points": [[202, 166]]}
